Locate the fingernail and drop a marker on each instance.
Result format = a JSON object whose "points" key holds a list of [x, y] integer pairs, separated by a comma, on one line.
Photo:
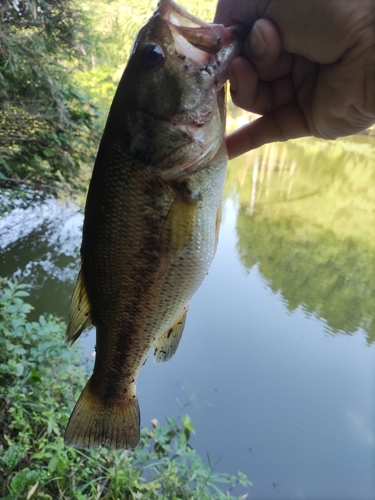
{"points": [[257, 44], [232, 81]]}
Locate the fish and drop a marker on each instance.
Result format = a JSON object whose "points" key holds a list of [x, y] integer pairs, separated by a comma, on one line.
{"points": [[152, 214]]}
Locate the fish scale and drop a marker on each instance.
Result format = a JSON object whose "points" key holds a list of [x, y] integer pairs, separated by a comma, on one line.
{"points": [[152, 216]]}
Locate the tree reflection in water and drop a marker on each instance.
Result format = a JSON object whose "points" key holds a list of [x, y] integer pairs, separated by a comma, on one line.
{"points": [[306, 218]]}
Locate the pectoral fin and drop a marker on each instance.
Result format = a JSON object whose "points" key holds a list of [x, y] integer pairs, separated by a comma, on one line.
{"points": [[167, 345], [217, 224], [80, 312], [179, 225]]}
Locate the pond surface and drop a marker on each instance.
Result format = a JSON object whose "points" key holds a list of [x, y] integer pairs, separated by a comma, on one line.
{"points": [[277, 361]]}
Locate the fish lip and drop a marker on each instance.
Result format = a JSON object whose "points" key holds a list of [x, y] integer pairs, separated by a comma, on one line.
{"points": [[167, 8], [216, 36], [208, 155], [194, 118], [186, 169], [196, 162], [207, 152]]}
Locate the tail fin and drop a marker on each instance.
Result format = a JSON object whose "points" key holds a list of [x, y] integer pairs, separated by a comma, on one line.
{"points": [[93, 424]]}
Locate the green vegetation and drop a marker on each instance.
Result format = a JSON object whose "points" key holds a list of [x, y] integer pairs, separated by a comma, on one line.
{"points": [[47, 126], [40, 378], [306, 218]]}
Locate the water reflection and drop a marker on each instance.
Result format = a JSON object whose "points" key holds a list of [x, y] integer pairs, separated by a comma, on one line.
{"points": [[40, 246], [306, 217]]}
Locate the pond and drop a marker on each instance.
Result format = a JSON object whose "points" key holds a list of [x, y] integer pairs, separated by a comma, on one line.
{"points": [[276, 363]]}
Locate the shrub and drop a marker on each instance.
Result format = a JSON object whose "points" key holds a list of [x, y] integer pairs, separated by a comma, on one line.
{"points": [[40, 378]]}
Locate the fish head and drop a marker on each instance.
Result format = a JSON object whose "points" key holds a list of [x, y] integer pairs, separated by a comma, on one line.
{"points": [[172, 91]]}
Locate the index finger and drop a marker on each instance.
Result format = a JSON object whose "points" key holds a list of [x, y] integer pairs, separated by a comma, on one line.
{"points": [[282, 124], [263, 49]]}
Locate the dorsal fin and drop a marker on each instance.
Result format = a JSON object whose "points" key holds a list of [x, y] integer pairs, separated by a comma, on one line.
{"points": [[166, 345], [80, 312]]}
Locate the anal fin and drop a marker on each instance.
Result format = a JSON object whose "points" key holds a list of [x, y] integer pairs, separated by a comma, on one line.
{"points": [[166, 345], [80, 312]]}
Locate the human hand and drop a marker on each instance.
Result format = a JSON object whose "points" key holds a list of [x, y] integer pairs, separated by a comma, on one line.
{"points": [[308, 67]]}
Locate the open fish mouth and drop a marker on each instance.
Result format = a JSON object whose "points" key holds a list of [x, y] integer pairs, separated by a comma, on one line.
{"points": [[185, 27], [196, 38]]}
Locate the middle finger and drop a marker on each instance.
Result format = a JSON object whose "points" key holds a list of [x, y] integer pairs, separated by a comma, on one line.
{"points": [[257, 96]]}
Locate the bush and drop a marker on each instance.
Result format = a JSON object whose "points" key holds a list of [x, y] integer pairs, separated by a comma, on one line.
{"points": [[40, 379], [48, 126]]}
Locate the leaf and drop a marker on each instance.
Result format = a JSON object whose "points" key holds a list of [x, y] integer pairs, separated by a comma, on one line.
{"points": [[186, 422], [23, 480], [38, 159], [48, 152], [19, 351], [243, 479], [52, 465], [19, 369], [42, 321], [26, 308], [35, 375], [32, 490], [12, 456]]}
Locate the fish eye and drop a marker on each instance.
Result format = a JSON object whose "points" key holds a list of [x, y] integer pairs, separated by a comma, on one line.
{"points": [[152, 55]]}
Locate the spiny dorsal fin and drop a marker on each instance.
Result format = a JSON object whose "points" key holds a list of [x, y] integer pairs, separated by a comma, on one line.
{"points": [[80, 312], [167, 344]]}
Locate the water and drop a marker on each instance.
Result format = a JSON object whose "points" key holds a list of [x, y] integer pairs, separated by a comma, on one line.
{"points": [[276, 364]]}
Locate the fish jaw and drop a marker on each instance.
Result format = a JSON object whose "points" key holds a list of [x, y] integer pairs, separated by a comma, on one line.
{"points": [[174, 81], [206, 37], [174, 13]]}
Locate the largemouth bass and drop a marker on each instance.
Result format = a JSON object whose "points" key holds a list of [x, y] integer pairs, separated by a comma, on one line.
{"points": [[152, 214]]}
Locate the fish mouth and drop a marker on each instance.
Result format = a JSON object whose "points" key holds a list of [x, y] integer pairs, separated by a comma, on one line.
{"points": [[200, 39], [191, 155], [171, 12]]}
